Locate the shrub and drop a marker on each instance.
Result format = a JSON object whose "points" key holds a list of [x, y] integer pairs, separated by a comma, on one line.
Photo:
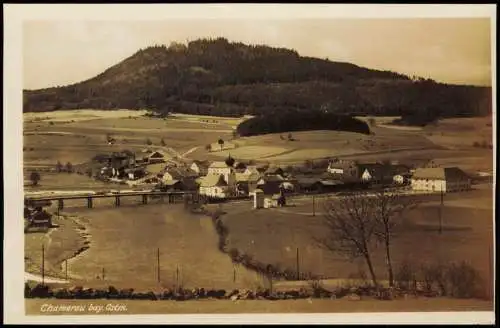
{"points": [[464, 281], [404, 275]]}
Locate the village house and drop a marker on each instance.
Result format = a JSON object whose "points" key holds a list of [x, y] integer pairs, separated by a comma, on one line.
{"points": [[215, 186], [177, 173], [200, 167], [271, 184], [274, 170], [251, 169], [222, 168], [135, 173], [437, 179], [246, 184], [342, 168]]}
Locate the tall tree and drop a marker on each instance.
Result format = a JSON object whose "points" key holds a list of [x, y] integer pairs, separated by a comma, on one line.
{"points": [[350, 228], [388, 209], [221, 143]]}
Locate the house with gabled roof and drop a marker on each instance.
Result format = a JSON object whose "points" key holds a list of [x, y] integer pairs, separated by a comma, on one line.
{"points": [[440, 179], [200, 167], [214, 185]]}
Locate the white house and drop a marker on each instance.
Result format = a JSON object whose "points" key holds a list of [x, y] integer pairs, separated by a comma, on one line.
{"points": [[437, 179], [214, 185], [221, 168], [343, 168]]}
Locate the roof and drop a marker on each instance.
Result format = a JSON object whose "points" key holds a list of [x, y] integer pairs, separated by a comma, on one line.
{"points": [[272, 178], [242, 177], [200, 162], [156, 153], [180, 172], [213, 180], [170, 182], [440, 173], [218, 165], [252, 169]]}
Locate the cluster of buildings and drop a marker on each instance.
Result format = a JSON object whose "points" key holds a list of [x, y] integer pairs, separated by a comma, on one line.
{"points": [[229, 178]]}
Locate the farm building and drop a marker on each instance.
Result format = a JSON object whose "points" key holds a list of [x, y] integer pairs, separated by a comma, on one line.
{"points": [[270, 184], [214, 185], [200, 167], [383, 173], [177, 173], [155, 157], [446, 179], [246, 183], [135, 173], [221, 168], [274, 170], [172, 185], [318, 185], [251, 169], [341, 168]]}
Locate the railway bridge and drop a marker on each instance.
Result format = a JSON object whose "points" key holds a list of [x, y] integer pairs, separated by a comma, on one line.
{"points": [[171, 197]]}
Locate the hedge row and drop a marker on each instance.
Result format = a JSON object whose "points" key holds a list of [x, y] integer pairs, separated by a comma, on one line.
{"points": [[44, 291], [238, 257]]}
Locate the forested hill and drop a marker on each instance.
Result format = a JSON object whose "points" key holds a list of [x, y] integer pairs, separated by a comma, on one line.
{"points": [[216, 77]]}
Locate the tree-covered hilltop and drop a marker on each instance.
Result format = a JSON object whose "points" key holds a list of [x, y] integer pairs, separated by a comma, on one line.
{"points": [[300, 120], [217, 77]]}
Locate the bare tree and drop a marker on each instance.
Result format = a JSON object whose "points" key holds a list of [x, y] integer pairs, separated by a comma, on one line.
{"points": [[350, 227], [387, 209]]}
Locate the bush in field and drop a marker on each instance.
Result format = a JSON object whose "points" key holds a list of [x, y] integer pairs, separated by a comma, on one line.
{"points": [[149, 142], [69, 167], [35, 178], [464, 281]]}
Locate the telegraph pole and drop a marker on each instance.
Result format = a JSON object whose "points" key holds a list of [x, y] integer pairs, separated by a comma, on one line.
{"points": [[43, 265], [66, 268], [297, 258], [177, 277], [314, 206], [158, 263], [441, 213]]}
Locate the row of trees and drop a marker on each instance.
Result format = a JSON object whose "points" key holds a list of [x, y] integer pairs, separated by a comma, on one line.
{"points": [[356, 223], [296, 120]]}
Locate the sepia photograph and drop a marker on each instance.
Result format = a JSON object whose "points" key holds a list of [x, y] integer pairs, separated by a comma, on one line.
{"points": [[249, 163]]}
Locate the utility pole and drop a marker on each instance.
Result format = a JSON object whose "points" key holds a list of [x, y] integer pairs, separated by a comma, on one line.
{"points": [[158, 263], [441, 213], [177, 277], [103, 274], [43, 265], [314, 206], [298, 271], [66, 268], [234, 274]]}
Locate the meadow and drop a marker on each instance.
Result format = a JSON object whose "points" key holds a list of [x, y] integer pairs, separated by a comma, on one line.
{"points": [[273, 236], [124, 242]]}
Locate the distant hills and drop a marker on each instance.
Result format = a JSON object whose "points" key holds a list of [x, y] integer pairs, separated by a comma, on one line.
{"points": [[217, 77]]}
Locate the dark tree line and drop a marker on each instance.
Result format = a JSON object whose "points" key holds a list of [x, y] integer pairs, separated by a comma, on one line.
{"points": [[300, 120]]}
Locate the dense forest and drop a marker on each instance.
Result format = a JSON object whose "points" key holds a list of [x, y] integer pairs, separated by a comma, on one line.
{"points": [[300, 120], [217, 77]]}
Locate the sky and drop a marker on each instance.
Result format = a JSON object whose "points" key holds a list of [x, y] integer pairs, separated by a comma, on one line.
{"points": [[451, 50]]}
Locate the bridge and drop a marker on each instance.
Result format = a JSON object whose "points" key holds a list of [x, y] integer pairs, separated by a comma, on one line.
{"points": [[172, 196]]}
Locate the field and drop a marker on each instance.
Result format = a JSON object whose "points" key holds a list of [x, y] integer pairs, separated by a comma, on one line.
{"points": [[272, 236], [52, 137], [449, 142], [124, 243]]}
